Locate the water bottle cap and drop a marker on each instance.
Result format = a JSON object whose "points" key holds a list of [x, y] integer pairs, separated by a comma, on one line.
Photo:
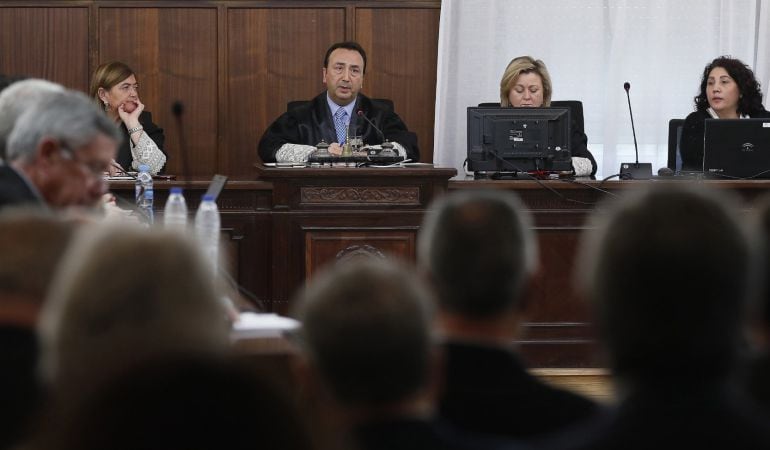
{"points": [[176, 190], [208, 198], [144, 168]]}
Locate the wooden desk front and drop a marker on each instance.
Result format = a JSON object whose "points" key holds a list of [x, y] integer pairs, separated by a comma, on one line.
{"points": [[280, 229]]}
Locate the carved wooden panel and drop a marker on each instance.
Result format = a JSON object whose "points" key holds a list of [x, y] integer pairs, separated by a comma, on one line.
{"points": [[327, 246], [368, 195]]}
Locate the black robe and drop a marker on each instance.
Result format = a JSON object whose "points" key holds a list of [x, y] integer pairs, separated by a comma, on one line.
{"points": [[311, 122]]}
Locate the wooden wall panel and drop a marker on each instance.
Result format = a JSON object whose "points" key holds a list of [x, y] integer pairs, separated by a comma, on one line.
{"points": [[50, 43], [233, 64], [402, 49], [274, 55], [174, 53]]}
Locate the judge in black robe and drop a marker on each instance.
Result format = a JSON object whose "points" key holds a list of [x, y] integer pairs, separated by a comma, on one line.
{"points": [[311, 122]]}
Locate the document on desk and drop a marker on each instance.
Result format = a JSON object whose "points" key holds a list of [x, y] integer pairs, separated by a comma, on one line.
{"points": [[286, 165], [250, 325]]}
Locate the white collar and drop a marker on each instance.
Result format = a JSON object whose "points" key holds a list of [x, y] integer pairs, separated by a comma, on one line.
{"points": [[714, 114]]}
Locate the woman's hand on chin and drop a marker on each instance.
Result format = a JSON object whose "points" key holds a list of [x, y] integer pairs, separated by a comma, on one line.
{"points": [[129, 112]]}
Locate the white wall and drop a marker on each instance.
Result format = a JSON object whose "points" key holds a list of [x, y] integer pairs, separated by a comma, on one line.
{"points": [[591, 47]]}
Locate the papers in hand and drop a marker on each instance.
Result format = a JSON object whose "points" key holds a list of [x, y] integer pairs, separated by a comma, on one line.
{"points": [[254, 325]]}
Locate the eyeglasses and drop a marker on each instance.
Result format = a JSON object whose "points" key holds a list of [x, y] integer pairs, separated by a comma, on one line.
{"points": [[94, 168]]}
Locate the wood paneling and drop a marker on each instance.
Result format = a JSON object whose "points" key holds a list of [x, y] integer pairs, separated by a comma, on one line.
{"points": [[50, 43], [275, 55], [326, 246], [234, 65], [402, 49], [174, 53]]}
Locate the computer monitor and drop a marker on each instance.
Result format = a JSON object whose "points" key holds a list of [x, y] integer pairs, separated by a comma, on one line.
{"points": [[502, 139], [737, 148]]}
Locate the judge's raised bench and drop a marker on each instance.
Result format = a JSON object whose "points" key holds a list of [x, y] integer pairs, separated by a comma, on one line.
{"points": [[282, 227]]}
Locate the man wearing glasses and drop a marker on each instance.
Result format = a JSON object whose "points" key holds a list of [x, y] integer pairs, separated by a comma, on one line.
{"points": [[57, 154], [329, 115]]}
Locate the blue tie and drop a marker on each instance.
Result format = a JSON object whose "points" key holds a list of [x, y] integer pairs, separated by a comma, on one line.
{"points": [[340, 125]]}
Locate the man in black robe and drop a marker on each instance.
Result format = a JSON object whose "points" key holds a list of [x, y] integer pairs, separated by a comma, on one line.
{"points": [[329, 115]]}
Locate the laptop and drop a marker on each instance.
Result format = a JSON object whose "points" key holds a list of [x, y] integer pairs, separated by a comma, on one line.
{"points": [[737, 148]]}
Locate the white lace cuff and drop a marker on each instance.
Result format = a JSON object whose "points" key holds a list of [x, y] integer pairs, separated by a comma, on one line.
{"points": [[582, 166], [293, 153], [147, 152]]}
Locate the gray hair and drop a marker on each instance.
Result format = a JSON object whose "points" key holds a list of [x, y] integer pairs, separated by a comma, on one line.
{"points": [[17, 98], [69, 116]]}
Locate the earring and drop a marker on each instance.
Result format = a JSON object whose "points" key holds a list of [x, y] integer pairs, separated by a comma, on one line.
{"points": [[106, 107]]}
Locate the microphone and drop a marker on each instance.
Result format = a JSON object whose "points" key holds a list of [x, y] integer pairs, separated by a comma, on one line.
{"points": [[635, 170], [360, 113], [387, 147], [177, 109]]}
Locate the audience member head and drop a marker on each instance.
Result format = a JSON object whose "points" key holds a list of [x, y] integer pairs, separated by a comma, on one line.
{"points": [[125, 295], [16, 99], [7, 80], [762, 241], [343, 71], [366, 332], [669, 272], [63, 145], [525, 82], [478, 249], [112, 84], [729, 87], [33, 243], [183, 403]]}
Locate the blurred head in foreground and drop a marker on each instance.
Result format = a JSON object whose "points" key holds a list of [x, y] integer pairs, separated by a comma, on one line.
{"points": [[125, 295], [366, 333], [669, 272]]}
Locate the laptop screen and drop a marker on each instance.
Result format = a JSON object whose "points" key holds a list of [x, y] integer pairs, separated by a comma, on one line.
{"points": [[737, 148]]}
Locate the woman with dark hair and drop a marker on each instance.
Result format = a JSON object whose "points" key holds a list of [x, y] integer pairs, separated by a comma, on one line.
{"points": [[114, 87], [728, 90]]}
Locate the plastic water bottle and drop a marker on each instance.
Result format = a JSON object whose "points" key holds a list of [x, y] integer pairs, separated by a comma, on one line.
{"points": [[207, 226], [145, 193], [175, 212]]}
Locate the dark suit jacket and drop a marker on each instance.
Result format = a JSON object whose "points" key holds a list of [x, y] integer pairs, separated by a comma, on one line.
{"points": [[153, 131], [489, 391], [19, 389], [14, 190], [691, 145], [309, 123], [416, 434], [758, 381], [689, 414]]}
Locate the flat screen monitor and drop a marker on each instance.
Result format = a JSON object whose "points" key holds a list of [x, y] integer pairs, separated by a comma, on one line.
{"points": [[503, 139], [737, 148]]}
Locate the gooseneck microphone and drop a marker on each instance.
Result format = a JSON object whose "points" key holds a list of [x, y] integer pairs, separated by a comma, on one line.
{"points": [[635, 170], [627, 87], [360, 113], [177, 109]]}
